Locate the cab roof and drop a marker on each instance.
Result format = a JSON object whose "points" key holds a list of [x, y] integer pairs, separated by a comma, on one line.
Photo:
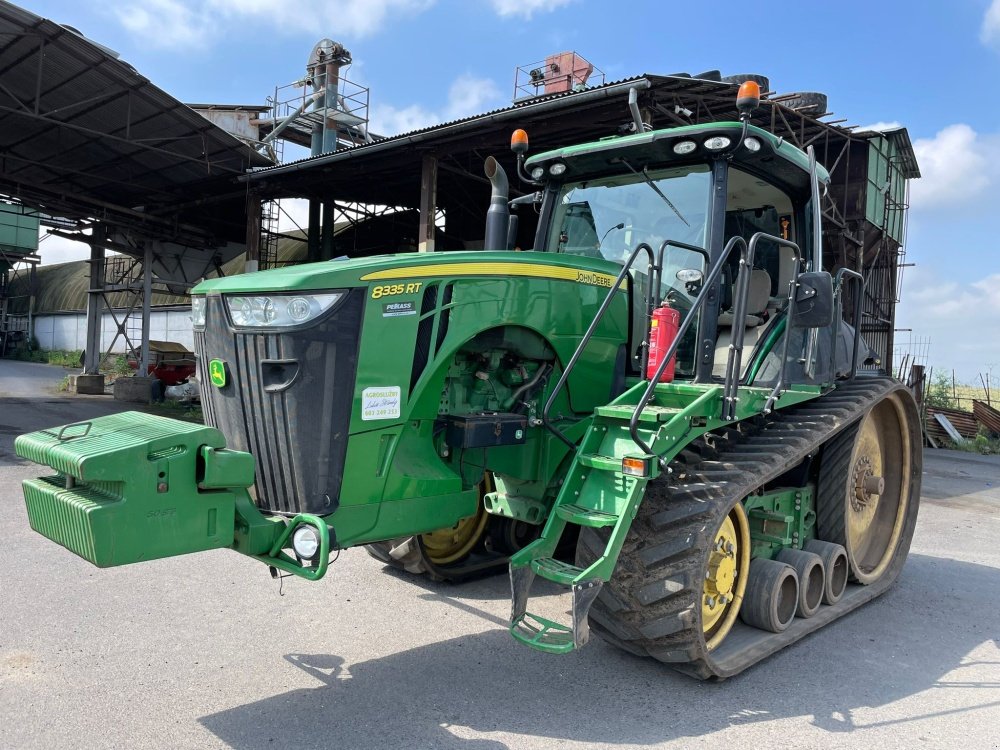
{"points": [[784, 163]]}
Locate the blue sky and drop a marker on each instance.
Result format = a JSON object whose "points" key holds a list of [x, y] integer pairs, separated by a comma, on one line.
{"points": [[930, 66]]}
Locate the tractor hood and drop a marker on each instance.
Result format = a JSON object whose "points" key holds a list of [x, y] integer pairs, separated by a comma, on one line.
{"points": [[402, 267]]}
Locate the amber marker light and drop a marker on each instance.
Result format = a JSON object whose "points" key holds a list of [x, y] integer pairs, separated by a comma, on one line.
{"points": [[748, 97], [635, 467], [519, 142]]}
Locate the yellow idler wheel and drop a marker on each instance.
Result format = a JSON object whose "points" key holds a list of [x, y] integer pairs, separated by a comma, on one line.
{"points": [[864, 489], [725, 577], [446, 546]]}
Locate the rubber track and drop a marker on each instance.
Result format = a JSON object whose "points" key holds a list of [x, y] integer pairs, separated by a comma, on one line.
{"points": [[651, 605], [415, 561]]}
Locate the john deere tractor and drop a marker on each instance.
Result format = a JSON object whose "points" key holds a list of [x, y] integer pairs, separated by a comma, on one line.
{"points": [[660, 407]]}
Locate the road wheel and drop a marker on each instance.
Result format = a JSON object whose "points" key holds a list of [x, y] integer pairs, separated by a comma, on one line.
{"points": [[864, 498], [446, 546], [725, 577], [443, 555]]}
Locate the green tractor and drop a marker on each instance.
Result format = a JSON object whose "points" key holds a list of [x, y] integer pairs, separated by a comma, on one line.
{"points": [[660, 408]]}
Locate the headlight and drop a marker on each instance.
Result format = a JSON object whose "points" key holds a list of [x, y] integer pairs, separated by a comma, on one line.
{"points": [[305, 542], [276, 311], [198, 311], [685, 147], [752, 144], [717, 143], [557, 169], [537, 173]]}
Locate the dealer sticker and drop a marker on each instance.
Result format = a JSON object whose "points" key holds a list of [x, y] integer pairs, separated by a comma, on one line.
{"points": [[380, 403], [397, 309]]}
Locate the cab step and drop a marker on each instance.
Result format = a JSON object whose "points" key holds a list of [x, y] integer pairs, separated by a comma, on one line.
{"points": [[582, 516], [539, 632], [543, 634], [556, 571], [596, 461], [654, 414]]}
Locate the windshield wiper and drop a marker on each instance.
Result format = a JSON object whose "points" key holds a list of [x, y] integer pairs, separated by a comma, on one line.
{"points": [[645, 176]]}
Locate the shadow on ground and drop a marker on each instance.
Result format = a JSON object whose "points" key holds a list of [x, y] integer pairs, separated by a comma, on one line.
{"points": [[902, 644]]}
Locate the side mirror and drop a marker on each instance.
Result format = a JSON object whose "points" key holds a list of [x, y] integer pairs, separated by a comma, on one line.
{"points": [[813, 300], [692, 278]]}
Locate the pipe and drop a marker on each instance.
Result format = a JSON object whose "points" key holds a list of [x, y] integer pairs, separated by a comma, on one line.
{"points": [[516, 114], [816, 259], [498, 215], [633, 107], [516, 405], [288, 120]]}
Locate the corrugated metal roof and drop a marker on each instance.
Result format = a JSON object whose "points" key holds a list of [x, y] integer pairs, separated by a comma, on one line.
{"points": [[62, 287], [84, 135]]}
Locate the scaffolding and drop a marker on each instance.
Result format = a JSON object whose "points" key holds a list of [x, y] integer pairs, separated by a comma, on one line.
{"points": [[556, 74], [324, 111]]}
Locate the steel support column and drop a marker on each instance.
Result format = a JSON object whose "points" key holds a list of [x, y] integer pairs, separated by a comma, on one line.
{"points": [[313, 230], [329, 228], [253, 232], [428, 203], [95, 305], [147, 294]]}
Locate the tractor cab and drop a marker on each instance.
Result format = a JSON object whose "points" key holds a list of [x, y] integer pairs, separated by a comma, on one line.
{"points": [[687, 193]]}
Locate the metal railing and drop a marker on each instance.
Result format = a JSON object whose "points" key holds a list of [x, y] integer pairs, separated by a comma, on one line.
{"points": [[654, 272], [734, 361]]}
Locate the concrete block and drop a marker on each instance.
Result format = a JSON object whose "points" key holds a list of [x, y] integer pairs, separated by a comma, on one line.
{"points": [[135, 389], [90, 385]]}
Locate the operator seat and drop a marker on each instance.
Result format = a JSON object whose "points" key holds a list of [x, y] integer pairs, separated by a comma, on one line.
{"points": [[754, 323]]}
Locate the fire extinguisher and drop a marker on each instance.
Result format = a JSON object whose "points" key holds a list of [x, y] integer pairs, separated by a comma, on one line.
{"points": [[663, 330]]}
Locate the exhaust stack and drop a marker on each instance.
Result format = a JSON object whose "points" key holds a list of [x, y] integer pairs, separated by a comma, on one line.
{"points": [[498, 215]]}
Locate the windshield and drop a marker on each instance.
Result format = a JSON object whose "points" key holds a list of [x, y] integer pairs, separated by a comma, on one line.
{"points": [[608, 217]]}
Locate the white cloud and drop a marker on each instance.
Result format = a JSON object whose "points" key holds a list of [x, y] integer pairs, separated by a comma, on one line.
{"points": [[386, 119], [53, 249], [525, 8], [879, 127], [166, 24], [989, 32], [186, 24], [957, 166], [293, 215], [959, 318], [467, 95]]}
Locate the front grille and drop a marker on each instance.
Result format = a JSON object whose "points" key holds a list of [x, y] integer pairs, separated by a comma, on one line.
{"points": [[287, 400]]}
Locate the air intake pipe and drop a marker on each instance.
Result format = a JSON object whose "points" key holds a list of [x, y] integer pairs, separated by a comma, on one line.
{"points": [[498, 215]]}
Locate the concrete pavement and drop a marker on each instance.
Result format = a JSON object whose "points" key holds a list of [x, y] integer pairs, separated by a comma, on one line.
{"points": [[203, 652]]}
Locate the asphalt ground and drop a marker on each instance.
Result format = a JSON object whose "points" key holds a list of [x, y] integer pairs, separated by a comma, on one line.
{"points": [[206, 651]]}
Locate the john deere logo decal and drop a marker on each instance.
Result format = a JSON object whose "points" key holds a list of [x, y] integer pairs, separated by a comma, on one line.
{"points": [[217, 373]]}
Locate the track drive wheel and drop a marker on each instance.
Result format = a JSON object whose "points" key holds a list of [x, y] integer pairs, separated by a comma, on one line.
{"points": [[865, 492], [680, 579]]}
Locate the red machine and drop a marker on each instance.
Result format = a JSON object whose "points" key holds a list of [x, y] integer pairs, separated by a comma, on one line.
{"points": [[170, 362], [665, 324]]}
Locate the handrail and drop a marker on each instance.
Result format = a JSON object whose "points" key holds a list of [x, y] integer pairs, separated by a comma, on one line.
{"points": [[733, 365], [561, 383], [858, 302], [699, 302]]}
